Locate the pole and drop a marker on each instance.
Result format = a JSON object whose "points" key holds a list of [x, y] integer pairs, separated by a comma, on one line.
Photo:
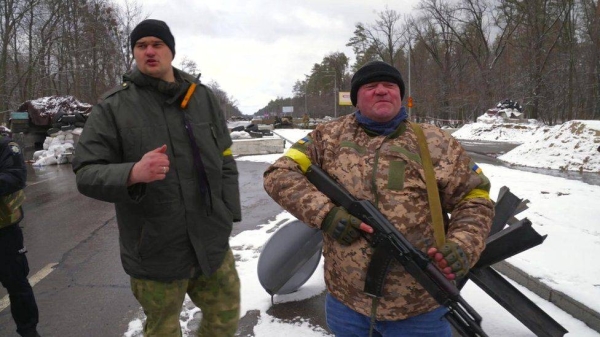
{"points": [[334, 74], [409, 77], [334, 95], [306, 94], [305, 104]]}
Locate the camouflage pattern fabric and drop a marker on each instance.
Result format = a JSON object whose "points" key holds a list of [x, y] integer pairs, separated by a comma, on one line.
{"points": [[218, 296], [388, 172]]}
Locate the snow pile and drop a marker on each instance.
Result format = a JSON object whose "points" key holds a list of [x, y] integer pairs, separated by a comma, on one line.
{"points": [[240, 135], [45, 111], [57, 149], [490, 119], [233, 124], [492, 128], [51, 105], [573, 146]]}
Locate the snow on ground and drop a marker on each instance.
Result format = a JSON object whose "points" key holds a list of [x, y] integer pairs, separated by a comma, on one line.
{"points": [[495, 129], [560, 208], [572, 146]]}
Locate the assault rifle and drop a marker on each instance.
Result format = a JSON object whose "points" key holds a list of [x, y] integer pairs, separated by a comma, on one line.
{"points": [[390, 244], [503, 242]]}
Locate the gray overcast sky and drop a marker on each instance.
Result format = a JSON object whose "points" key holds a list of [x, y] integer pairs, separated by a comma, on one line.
{"points": [[256, 50]]}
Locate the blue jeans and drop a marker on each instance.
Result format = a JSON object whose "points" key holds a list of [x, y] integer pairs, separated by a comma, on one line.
{"points": [[345, 322]]}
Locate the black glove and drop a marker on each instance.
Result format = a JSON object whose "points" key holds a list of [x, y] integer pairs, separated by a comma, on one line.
{"points": [[341, 226], [456, 258]]}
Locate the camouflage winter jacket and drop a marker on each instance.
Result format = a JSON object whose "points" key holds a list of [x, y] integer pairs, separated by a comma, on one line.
{"points": [[388, 172]]}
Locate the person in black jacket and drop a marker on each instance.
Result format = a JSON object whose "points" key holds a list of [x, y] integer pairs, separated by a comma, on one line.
{"points": [[158, 147], [13, 262]]}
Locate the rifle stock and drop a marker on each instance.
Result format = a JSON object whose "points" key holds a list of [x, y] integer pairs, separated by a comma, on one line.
{"points": [[390, 243]]}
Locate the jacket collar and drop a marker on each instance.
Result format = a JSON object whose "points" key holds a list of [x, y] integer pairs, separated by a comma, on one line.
{"points": [[171, 89]]}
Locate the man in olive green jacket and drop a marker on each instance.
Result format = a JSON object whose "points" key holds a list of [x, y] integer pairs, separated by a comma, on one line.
{"points": [[164, 159]]}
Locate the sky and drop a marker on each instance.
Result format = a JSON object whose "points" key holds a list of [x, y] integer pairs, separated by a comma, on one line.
{"points": [[257, 50], [559, 208]]}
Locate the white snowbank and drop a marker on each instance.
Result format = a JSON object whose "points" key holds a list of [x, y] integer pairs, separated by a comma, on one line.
{"points": [[573, 146]]}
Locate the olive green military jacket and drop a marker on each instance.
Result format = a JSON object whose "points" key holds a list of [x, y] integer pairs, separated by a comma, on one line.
{"points": [[388, 172], [167, 231]]}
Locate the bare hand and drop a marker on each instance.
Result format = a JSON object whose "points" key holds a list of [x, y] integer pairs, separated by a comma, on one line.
{"points": [[153, 166], [366, 228]]}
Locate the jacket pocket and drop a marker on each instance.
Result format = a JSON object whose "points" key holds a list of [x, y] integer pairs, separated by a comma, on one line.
{"points": [[161, 227], [396, 175], [137, 141], [206, 137]]}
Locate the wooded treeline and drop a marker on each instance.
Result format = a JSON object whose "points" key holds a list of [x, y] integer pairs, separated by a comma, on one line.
{"points": [[468, 55], [465, 56], [69, 47]]}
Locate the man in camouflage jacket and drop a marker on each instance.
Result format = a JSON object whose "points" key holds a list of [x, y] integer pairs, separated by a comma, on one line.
{"points": [[374, 154], [169, 170]]}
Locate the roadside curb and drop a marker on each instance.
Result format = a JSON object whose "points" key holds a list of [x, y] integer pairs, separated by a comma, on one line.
{"points": [[560, 299]]}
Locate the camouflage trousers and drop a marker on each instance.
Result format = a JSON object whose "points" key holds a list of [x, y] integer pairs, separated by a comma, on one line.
{"points": [[217, 296]]}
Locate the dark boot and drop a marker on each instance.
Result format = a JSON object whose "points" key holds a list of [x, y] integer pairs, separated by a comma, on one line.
{"points": [[33, 333]]}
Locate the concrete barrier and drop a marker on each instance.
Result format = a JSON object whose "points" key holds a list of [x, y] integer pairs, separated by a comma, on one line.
{"points": [[256, 146], [571, 306]]}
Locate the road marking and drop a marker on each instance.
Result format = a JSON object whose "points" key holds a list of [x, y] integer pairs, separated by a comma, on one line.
{"points": [[40, 181], [5, 302]]}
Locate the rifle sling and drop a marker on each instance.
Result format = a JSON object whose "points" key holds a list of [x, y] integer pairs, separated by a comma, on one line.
{"points": [[432, 189]]}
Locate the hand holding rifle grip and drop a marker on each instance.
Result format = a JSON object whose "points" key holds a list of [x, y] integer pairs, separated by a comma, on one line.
{"points": [[460, 314]]}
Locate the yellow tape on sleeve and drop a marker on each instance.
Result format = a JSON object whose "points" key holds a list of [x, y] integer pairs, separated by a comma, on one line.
{"points": [[300, 158], [477, 193]]}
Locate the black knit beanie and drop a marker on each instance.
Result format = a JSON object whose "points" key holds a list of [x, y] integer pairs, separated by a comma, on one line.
{"points": [[156, 28], [375, 71]]}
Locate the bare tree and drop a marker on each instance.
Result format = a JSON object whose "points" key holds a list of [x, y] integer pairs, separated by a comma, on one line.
{"points": [[228, 104], [435, 37], [189, 66], [12, 14], [383, 40], [590, 27], [537, 38], [128, 15], [482, 29]]}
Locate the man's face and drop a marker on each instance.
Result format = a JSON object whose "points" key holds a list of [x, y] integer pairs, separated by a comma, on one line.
{"points": [[153, 58], [379, 101]]}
